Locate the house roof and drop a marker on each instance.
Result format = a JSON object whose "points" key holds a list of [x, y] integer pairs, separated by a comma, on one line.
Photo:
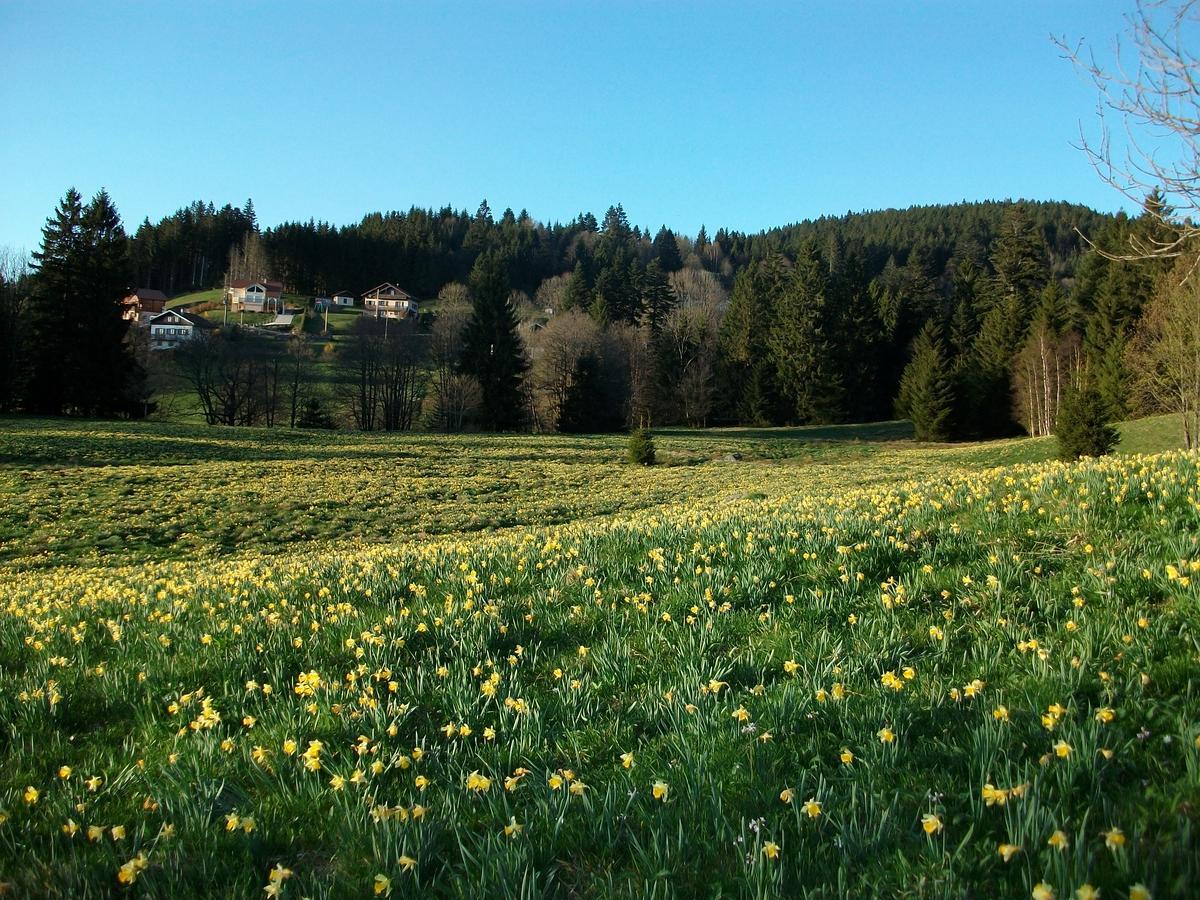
{"points": [[148, 294], [195, 320], [375, 291], [342, 294], [273, 287]]}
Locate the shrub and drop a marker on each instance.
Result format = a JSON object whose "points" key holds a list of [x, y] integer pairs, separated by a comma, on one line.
{"points": [[641, 447], [1083, 428], [313, 415]]}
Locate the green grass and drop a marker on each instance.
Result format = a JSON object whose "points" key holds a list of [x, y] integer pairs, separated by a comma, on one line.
{"points": [[1151, 435], [582, 609], [196, 298]]}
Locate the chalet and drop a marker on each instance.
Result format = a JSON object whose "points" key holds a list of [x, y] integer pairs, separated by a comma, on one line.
{"points": [[389, 302], [255, 295], [173, 327], [343, 298], [142, 305]]}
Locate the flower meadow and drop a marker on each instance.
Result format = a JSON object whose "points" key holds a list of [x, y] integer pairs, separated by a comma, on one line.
{"points": [[868, 671]]}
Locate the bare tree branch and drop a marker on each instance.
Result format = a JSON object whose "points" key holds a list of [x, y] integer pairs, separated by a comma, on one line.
{"points": [[1157, 99]]}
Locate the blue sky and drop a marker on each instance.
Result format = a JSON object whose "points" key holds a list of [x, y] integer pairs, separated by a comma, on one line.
{"points": [[743, 115]]}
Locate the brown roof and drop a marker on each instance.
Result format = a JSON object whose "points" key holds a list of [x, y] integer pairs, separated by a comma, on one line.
{"points": [[342, 294], [148, 294], [375, 291]]}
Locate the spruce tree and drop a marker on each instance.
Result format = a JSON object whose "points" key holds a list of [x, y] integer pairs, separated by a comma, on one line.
{"points": [[657, 296], [749, 385], [56, 288], [1083, 427], [927, 388], [666, 250], [492, 351], [578, 294], [78, 361], [800, 347]]}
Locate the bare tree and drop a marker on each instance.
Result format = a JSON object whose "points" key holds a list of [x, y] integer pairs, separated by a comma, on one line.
{"points": [[1164, 356], [249, 260], [301, 377], [383, 361], [231, 373], [1047, 364], [1156, 97], [453, 397], [698, 287], [550, 292], [453, 294], [14, 277], [635, 344], [688, 355], [555, 354]]}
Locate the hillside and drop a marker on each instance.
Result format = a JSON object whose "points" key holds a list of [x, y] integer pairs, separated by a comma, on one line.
{"points": [[869, 664]]}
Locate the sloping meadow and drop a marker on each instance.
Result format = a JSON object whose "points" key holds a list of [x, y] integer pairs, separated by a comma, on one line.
{"points": [[976, 683]]}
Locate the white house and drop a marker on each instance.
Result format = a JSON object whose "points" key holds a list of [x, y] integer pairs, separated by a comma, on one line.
{"points": [[343, 298], [173, 327], [256, 295], [390, 302]]}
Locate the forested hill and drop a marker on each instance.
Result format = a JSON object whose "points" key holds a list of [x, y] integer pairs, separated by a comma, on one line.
{"points": [[424, 249], [943, 233]]}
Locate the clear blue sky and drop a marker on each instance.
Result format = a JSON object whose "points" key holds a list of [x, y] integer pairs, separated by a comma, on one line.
{"points": [[744, 115]]}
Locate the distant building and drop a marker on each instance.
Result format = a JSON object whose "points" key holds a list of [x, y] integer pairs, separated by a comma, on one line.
{"points": [[143, 304], [173, 327], [255, 295], [343, 298], [389, 302]]}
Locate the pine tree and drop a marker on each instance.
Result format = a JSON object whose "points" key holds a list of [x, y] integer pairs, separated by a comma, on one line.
{"points": [[250, 215], [492, 351], [578, 295], [747, 372], [927, 388], [657, 298], [856, 326], [640, 450], [109, 381], [666, 250], [1083, 425], [800, 346], [987, 403], [78, 362], [1020, 261], [480, 232], [56, 287]]}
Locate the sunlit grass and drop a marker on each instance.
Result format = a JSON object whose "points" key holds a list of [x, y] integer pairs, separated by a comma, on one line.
{"points": [[861, 670]]}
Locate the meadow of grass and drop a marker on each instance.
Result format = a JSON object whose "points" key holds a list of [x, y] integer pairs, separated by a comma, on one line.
{"points": [[248, 663]]}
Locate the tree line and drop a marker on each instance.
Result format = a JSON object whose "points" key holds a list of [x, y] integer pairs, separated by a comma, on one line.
{"points": [[974, 320]]}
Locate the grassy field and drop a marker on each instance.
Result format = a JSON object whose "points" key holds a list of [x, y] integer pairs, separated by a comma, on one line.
{"points": [[804, 662], [196, 298]]}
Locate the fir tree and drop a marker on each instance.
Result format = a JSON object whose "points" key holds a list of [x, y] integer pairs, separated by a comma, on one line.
{"points": [[800, 346], [1083, 424], [492, 351], [578, 295], [666, 250], [657, 296], [78, 360], [748, 373], [927, 388], [641, 447]]}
